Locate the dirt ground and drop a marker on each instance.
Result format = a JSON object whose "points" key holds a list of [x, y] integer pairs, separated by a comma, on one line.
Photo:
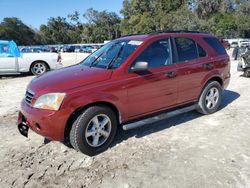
{"points": [[188, 150]]}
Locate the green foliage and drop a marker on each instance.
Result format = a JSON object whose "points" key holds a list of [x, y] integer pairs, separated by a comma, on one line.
{"points": [[57, 31], [225, 18], [15, 29], [100, 26], [142, 16]]}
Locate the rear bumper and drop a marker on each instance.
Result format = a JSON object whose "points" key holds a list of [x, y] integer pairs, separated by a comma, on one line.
{"points": [[49, 124]]}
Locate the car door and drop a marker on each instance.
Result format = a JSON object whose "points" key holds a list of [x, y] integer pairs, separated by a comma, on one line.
{"points": [[190, 68], [8, 64], [156, 88]]}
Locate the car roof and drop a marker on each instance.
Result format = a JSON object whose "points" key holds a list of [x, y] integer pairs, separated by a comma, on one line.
{"points": [[156, 34]]}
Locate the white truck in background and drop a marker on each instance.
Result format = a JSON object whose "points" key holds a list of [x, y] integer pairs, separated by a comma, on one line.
{"points": [[14, 62]]}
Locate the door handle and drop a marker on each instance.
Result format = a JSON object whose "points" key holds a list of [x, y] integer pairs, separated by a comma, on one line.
{"points": [[170, 74], [208, 66]]}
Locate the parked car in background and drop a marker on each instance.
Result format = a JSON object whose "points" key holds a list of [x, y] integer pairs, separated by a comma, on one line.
{"points": [[67, 48], [234, 44], [77, 48], [31, 50], [12, 61], [52, 49], [245, 44], [127, 79], [86, 49]]}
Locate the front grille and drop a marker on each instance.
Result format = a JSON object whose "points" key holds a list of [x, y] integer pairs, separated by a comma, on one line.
{"points": [[29, 96]]}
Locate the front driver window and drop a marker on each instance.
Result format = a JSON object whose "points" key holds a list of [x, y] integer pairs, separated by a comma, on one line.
{"points": [[157, 54]]}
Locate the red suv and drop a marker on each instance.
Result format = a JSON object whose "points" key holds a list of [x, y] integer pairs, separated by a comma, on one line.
{"points": [[127, 79]]}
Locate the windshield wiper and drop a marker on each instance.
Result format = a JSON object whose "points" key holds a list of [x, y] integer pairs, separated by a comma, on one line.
{"points": [[92, 63], [117, 55], [105, 52]]}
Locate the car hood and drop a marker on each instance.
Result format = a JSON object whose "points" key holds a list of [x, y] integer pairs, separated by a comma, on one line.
{"points": [[68, 78]]}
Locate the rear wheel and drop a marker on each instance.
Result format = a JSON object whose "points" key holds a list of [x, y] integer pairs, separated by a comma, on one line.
{"points": [[247, 72], [210, 98], [38, 68], [94, 130]]}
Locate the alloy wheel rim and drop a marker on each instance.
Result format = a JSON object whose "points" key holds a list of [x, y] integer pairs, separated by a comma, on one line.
{"points": [[39, 68], [98, 130], [212, 98]]}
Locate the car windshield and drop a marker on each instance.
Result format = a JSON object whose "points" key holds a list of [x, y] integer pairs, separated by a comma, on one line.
{"points": [[112, 55]]}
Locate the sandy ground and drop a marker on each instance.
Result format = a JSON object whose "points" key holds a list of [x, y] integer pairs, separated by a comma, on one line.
{"points": [[72, 58], [189, 150]]}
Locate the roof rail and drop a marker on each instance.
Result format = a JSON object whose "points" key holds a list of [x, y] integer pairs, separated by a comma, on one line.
{"points": [[173, 31], [129, 35], [164, 31]]}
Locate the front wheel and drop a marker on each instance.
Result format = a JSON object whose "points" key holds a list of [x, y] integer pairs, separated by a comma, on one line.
{"points": [[38, 68], [94, 130], [210, 98]]}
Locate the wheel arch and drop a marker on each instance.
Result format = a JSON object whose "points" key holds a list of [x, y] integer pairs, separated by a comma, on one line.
{"points": [[36, 61], [216, 78], [79, 110], [213, 78]]}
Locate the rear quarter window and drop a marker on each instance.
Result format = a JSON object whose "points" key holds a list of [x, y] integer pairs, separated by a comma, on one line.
{"points": [[216, 45]]}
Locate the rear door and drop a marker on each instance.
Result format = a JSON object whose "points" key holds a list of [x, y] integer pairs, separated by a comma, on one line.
{"points": [[155, 89], [190, 59]]}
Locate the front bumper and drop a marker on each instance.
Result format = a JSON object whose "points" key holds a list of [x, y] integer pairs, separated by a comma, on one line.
{"points": [[22, 125], [49, 124]]}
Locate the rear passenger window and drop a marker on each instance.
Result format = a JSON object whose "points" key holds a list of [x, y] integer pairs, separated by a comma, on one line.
{"points": [[186, 49], [216, 45], [201, 51]]}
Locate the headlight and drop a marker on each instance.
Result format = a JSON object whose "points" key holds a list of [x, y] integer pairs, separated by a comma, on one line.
{"points": [[50, 101]]}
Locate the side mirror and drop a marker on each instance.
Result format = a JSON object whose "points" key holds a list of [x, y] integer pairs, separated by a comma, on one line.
{"points": [[140, 66]]}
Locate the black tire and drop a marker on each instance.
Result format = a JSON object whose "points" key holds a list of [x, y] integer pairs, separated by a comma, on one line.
{"points": [[203, 104], [78, 137], [247, 72], [39, 65]]}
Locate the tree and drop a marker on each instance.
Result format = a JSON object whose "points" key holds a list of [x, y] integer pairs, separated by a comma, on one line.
{"points": [[224, 25], [243, 19], [184, 19], [101, 26], [143, 16], [14, 29], [57, 31], [227, 6], [226, 18], [206, 8]]}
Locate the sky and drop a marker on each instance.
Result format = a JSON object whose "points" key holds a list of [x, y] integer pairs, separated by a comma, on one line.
{"points": [[36, 12]]}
